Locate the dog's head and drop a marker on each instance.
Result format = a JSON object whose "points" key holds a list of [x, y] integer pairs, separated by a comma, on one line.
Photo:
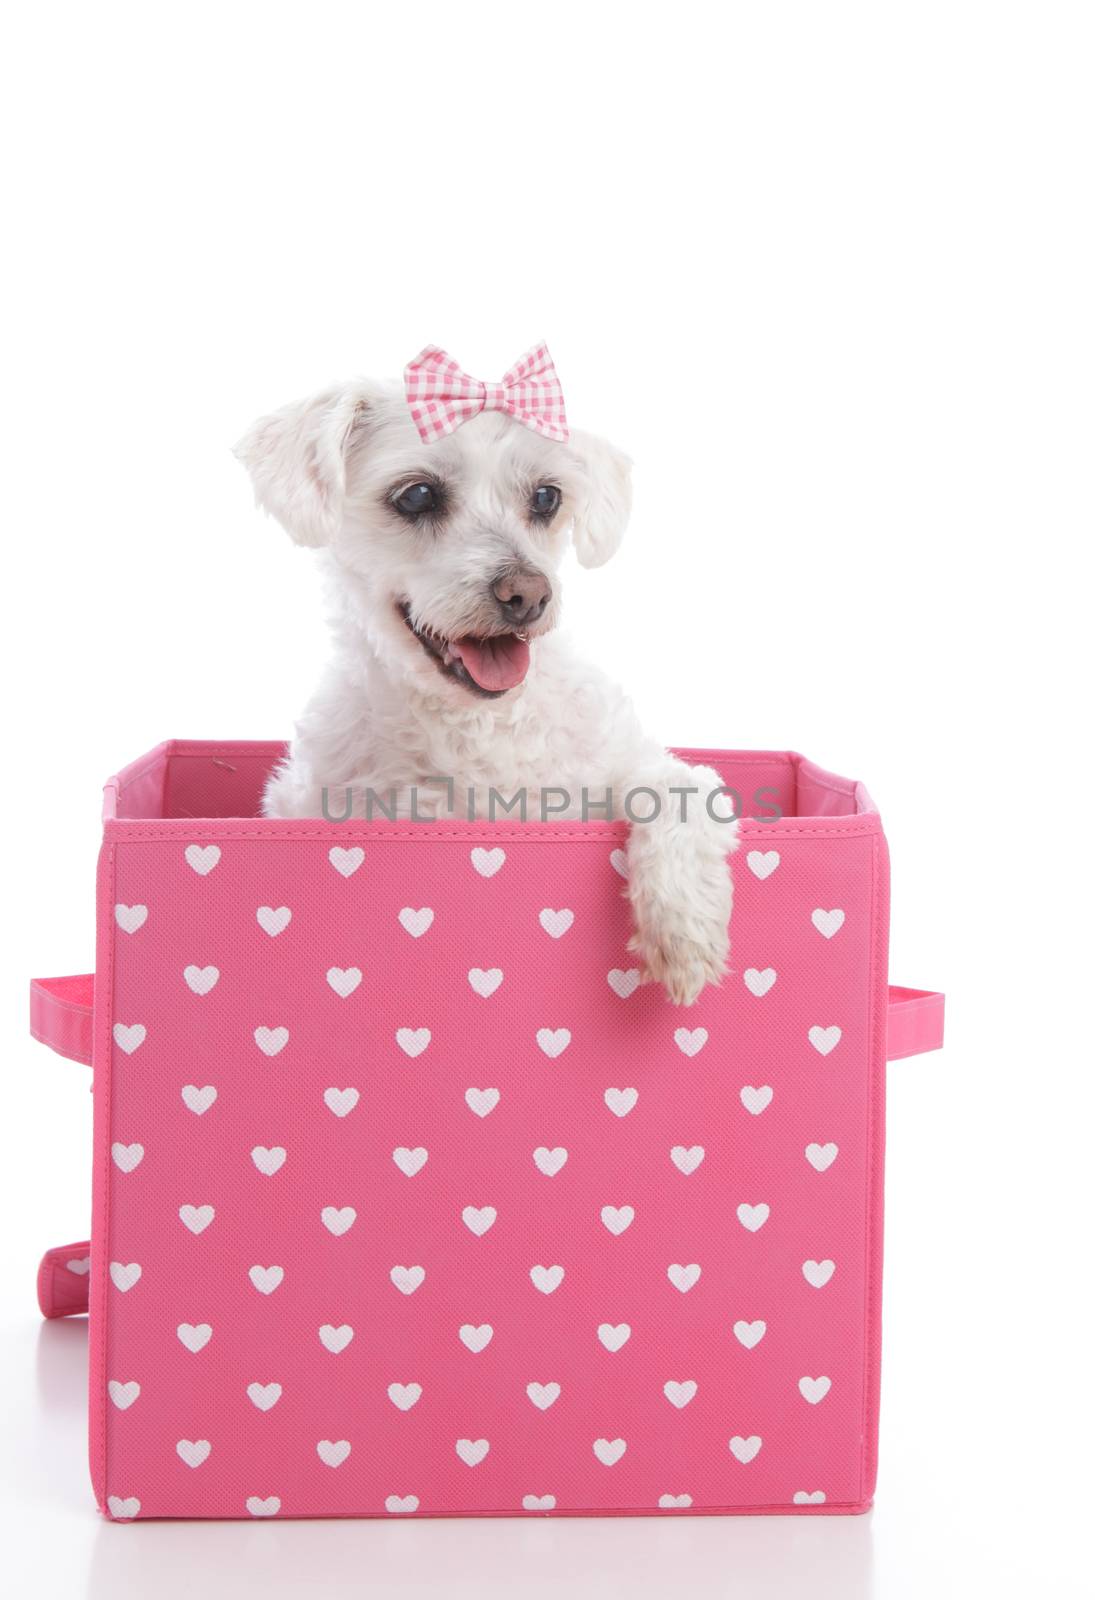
{"points": [[449, 552]]}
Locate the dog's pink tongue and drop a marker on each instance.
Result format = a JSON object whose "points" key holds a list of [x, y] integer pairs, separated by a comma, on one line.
{"points": [[496, 664]]}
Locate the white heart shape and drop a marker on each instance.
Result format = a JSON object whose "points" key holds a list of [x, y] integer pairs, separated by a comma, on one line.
{"points": [[130, 918], [690, 1041], [273, 920], [127, 1157], [335, 1339], [546, 1279], [614, 1338], [756, 1100], [123, 1394], [621, 1101], [264, 1396], [821, 1156], [410, 1161], [553, 1041], [609, 1451], [271, 1041], [472, 1451], [478, 1219], [617, 1219], [482, 1101], [346, 861], [538, 1502], [198, 1100], [399, 1503], [203, 858], [818, 1273], [623, 983], [476, 1339], [762, 863], [124, 1274], [268, 1161], [485, 983], [416, 923], [674, 1502], [263, 1508], [404, 1395], [129, 1037], [543, 1395], [412, 1041], [679, 1394], [340, 1101], [556, 923], [550, 1161], [193, 1451], [686, 1160], [196, 1218], [814, 1389], [338, 1219], [759, 983], [487, 862], [683, 1278], [344, 980], [618, 858], [266, 1279], [827, 922], [80, 1265], [194, 1336], [407, 1279], [744, 1449], [123, 1510], [753, 1217], [750, 1333], [333, 1452], [824, 1039], [200, 979], [812, 1497]]}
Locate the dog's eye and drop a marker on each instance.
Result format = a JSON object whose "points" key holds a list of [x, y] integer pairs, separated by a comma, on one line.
{"points": [[545, 500], [416, 500]]}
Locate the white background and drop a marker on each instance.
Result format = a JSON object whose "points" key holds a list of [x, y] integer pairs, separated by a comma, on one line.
{"points": [[827, 272]]}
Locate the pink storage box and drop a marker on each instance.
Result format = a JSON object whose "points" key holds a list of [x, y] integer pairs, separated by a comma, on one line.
{"points": [[409, 1201]]}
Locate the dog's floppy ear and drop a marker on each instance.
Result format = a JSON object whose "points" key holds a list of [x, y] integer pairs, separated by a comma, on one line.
{"points": [[604, 499], [297, 460]]}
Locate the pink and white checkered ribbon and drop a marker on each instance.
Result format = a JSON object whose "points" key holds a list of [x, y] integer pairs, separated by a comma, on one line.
{"points": [[441, 395]]}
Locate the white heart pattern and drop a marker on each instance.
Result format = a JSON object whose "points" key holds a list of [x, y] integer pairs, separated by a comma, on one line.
{"points": [[619, 862], [123, 1509], [344, 980], [543, 1395], [476, 1339], [346, 861], [333, 1452], [814, 1389], [412, 1041], [263, 1508], [416, 923], [129, 1037], [821, 1156], [759, 983], [487, 862], [198, 1100], [679, 1394], [538, 1502], [753, 1217], [399, 1504], [674, 1502], [809, 1497], [485, 983], [264, 1396], [193, 1451], [827, 922], [609, 1451], [756, 1100], [556, 923], [824, 1040], [266, 1279], [482, 1101], [335, 1339], [762, 863], [553, 1041], [623, 983], [690, 1041], [818, 1273], [271, 1041], [196, 1218], [194, 1336], [683, 1278], [202, 858], [410, 1161], [338, 1219], [80, 1265], [614, 1338], [404, 1395], [621, 1101], [340, 1101], [407, 1279], [268, 1161], [130, 918], [472, 1451], [273, 920], [686, 1160], [127, 1157], [744, 1450], [478, 1219], [546, 1279], [124, 1274], [617, 1219], [200, 979], [750, 1333], [550, 1161], [123, 1394]]}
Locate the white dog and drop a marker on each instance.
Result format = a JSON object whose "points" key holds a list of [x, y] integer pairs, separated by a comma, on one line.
{"points": [[442, 561]]}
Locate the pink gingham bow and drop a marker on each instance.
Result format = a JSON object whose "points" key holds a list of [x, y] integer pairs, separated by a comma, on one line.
{"points": [[441, 395]]}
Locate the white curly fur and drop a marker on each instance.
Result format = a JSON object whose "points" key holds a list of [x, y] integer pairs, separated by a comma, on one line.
{"points": [[385, 717]]}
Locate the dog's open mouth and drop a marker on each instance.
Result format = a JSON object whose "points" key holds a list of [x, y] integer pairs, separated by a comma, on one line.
{"points": [[490, 666]]}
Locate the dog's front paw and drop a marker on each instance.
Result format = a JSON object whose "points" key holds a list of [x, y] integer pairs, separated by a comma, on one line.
{"points": [[683, 939]]}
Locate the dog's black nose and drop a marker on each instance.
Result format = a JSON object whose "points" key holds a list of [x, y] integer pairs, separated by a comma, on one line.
{"points": [[523, 594]]}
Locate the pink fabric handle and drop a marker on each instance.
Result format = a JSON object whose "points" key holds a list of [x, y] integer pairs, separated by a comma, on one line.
{"points": [[63, 1280], [915, 1022], [60, 1014]]}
